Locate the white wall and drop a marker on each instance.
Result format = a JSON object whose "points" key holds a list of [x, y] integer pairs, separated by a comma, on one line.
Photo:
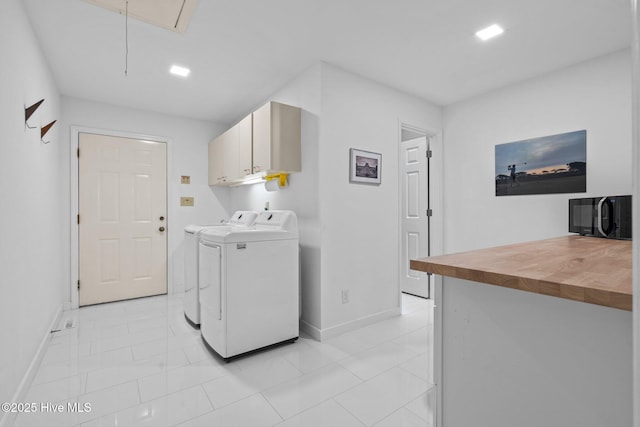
{"points": [[360, 223], [349, 232], [186, 154], [593, 95], [302, 194], [33, 247]]}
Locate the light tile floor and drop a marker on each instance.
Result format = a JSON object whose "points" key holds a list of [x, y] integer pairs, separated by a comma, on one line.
{"points": [[140, 363]]}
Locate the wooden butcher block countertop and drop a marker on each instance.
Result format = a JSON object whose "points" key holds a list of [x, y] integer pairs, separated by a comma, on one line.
{"points": [[587, 269]]}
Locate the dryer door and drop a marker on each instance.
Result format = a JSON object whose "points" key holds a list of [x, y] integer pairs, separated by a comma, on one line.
{"points": [[212, 322]]}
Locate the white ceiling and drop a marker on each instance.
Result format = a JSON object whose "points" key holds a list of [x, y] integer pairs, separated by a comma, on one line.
{"points": [[242, 51]]}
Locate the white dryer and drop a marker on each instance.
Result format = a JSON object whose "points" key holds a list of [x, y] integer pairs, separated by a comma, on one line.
{"points": [[191, 294], [248, 282]]}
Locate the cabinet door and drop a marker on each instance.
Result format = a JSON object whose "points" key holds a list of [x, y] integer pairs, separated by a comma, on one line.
{"points": [[230, 170], [262, 138], [224, 165], [245, 136], [215, 161]]}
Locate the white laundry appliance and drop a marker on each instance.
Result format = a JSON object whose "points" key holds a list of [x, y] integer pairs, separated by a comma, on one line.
{"points": [[248, 282], [191, 293]]}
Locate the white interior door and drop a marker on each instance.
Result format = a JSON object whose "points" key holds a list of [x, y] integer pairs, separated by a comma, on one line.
{"points": [[414, 221], [122, 218]]}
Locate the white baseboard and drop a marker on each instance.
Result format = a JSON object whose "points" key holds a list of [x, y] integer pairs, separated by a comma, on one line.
{"points": [[8, 419], [334, 331], [311, 330]]}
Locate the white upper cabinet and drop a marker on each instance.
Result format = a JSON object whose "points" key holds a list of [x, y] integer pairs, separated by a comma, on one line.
{"points": [[267, 141], [276, 138]]}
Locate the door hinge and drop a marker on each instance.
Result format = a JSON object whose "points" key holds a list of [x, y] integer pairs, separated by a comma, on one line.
{"points": [[429, 212], [78, 284], [78, 218], [429, 154], [78, 152]]}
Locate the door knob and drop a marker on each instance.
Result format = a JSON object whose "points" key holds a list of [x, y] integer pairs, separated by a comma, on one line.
{"points": [[161, 218], [161, 229]]}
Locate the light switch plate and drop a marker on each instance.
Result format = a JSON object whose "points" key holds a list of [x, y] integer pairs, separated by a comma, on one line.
{"points": [[185, 179], [186, 201]]}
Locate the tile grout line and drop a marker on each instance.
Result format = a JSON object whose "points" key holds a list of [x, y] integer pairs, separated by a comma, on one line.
{"points": [[350, 413]]}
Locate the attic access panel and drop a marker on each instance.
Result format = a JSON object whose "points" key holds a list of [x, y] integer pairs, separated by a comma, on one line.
{"points": [[172, 15]]}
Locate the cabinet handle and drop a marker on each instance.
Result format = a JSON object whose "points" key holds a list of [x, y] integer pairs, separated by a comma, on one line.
{"points": [[256, 168]]}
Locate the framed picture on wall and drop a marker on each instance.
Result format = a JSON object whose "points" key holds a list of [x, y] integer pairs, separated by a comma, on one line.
{"points": [[545, 165], [365, 167]]}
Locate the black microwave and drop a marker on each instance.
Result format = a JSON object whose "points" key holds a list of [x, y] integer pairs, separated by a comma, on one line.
{"points": [[608, 216]]}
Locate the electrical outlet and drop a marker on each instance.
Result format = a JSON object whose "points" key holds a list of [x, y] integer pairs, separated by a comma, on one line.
{"points": [[186, 201], [345, 296], [185, 179]]}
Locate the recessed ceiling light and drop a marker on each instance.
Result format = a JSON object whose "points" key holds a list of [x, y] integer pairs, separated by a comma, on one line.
{"points": [[179, 71], [489, 32]]}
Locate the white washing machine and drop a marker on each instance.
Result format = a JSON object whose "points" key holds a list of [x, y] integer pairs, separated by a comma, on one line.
{"points": [[191, 294], [248, 282]]}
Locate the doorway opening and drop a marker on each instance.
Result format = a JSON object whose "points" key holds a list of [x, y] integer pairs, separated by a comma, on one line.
{"points": [[415, 208], [420, 227]]}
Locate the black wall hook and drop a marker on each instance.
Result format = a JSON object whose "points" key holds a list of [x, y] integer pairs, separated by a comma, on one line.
{"points": [[44, 130], [28, 112]]}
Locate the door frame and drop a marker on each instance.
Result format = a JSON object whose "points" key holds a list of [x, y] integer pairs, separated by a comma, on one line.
{"points": [[74, 164]]}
